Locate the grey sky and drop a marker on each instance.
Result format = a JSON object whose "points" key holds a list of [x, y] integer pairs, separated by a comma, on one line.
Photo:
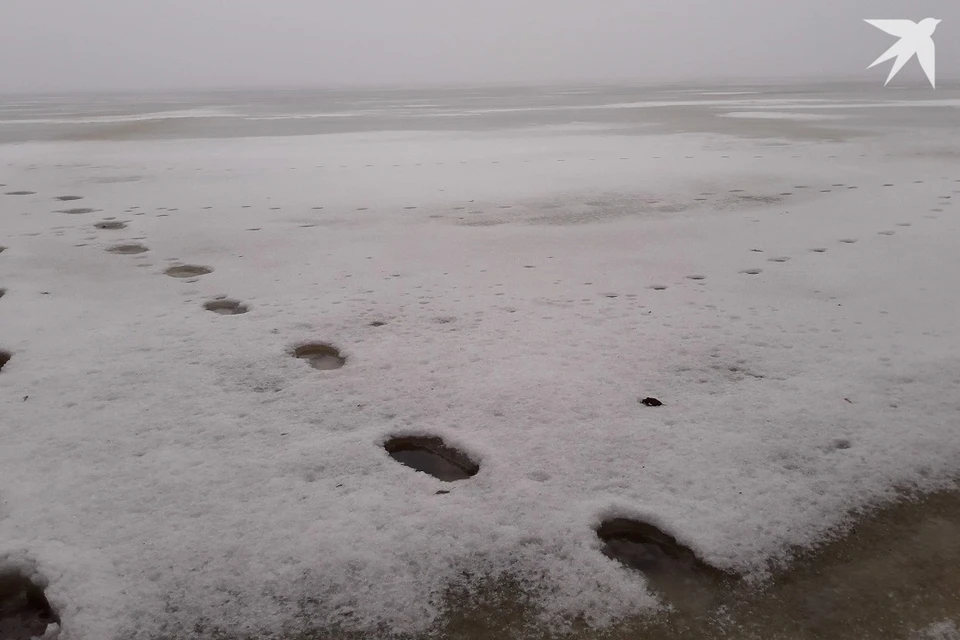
{"points": [[67, 45]]}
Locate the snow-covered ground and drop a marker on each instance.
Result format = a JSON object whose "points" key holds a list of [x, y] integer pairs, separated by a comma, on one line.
{"points": [[792, 303]]}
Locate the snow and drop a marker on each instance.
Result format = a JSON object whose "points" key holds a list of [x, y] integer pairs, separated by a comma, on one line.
{"points": [[164, 466]]}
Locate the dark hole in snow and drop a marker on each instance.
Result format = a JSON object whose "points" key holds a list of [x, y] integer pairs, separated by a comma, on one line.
{"points": [[4, 358], [320, 355], [111, 224], [651, 402], [24, 609], [377, 323], [673, 570], [431, 455], [20, 193], [128, 249], [187, 271], [78, 210], [2, 249], [68, 198], [226, 307], [3, 292]]}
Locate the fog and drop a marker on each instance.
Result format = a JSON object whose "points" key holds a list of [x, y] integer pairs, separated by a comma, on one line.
{"points": [[71, 45]]}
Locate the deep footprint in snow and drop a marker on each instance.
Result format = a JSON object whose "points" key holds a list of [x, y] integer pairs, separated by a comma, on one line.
{"points": [[187, 271], [25, 611], [848, 240], [111, 224], [4, 358], [819, 250], [779, 259], [2, 249], [320, 355], [697, 277], [127, 249], [431, 455], [3, 292], [68, 198], [673, 570], [752, 272], [20, 193], [78, 210], [226, 307]]}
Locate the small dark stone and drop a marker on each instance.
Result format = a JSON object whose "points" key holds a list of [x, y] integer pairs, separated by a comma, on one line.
{"points": [[651, 402]]}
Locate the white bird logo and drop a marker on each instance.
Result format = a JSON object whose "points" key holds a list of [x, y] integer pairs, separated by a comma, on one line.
{"points": [[915, 39]]}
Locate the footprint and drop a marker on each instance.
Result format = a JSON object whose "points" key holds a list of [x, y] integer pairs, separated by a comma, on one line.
{"points": [[752, 272], [226, 307], [697, 277], [778, 259], [886, 233], [431, 455], [320, 355], [819, 250], [848, 240], [672, 570], [25, 611], [127, 249], [68, 198], [20, 193], [187, 271], [110, 224]]}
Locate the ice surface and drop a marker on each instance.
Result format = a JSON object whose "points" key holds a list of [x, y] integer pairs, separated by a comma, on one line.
{"points": [[780, 115], [163, 467]]}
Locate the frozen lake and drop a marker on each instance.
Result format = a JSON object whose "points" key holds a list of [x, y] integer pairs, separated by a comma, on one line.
{"points": [[506, 272]]}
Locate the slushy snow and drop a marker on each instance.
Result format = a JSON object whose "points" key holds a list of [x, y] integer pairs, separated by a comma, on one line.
{"points": [[164, 466]]}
